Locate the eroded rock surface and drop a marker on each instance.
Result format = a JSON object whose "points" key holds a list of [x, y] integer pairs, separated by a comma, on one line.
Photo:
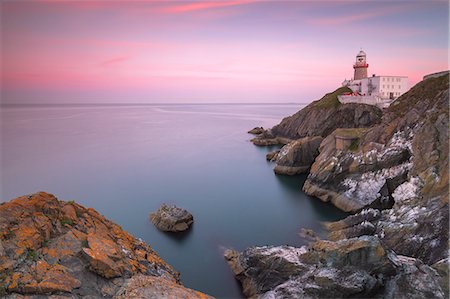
{"points": [[171, 218], [358, 267], [51, 247]]}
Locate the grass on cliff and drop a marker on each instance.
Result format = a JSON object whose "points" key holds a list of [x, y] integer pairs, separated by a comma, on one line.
{"points": [[422, 91], [330, 100]]}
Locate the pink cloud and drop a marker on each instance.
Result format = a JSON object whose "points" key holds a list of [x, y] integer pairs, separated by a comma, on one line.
{"points": [[114, 60], [203, 5]]}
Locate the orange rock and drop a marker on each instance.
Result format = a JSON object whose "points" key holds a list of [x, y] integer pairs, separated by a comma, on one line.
{"points": [[104, 257], [141, 286], [30, 228], [70, 212]]}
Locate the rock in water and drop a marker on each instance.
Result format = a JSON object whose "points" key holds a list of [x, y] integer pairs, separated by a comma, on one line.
{"points": [[297, 156], [171, 218], [256, 131], [271, 156], [51, 247]]}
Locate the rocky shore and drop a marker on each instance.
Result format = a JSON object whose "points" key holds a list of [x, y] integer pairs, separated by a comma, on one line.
{"points": [[49, 247], [390, 170]]}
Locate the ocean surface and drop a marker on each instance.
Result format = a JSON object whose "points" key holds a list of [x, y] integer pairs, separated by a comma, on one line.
{"points": [[125, 161]]}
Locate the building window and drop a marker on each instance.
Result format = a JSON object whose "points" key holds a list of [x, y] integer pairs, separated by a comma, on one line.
{"points": [[383, 84], [399, 87]]}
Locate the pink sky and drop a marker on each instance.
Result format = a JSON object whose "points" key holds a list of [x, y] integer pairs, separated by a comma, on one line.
{"points": [[210, 51]]}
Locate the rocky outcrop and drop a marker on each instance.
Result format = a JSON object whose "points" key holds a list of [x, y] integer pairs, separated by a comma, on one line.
{"points": [[48, 246], [358, 267], [256, 130], [400, 164], [297, 156], [272, 156], [266, 138], [170, 218], [322, 117]]}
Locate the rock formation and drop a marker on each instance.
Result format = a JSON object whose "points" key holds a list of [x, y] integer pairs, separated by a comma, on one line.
{"points": [[358, 267], [393, 175], [171, 218], [256, 130], [403, 160], [321, 118], [49, 247], [297, 156]]}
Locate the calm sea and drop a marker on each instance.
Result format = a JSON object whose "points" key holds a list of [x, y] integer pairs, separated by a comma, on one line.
{"points": [[125, 161]]}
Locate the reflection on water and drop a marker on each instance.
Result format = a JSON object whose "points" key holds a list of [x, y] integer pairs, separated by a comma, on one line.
{"points": [[125, 161]]}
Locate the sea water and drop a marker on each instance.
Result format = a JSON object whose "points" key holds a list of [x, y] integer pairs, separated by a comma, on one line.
{"points": [[125, 160]]}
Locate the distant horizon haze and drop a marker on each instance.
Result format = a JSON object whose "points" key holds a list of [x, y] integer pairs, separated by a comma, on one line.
{"points": [[206, 52]]}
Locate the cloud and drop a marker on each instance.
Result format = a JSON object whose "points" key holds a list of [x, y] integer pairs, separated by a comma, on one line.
{"points": [[113, 61], [195, 6]]}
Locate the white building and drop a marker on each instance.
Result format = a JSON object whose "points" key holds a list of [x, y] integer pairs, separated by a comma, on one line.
{"points": [[375, 90]]}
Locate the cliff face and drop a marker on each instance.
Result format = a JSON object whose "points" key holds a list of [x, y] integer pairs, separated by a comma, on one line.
{"points": [[401, 162], [322, 117], [354, 268], [394, 177], [49, 246]]}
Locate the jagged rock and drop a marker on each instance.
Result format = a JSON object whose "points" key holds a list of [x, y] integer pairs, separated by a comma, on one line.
{"points": [[64, 249], [358, 267], [105, 257], [297, 156], [256, 131], [271, 156], [171, 218]]}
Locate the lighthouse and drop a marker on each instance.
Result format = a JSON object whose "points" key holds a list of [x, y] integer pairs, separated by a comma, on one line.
{"points": [[360, 66]]}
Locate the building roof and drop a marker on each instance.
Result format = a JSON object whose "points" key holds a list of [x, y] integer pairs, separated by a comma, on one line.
{"points": [[361, 53]]}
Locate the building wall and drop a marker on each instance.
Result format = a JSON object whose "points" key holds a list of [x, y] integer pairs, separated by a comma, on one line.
{"points": [[370, 100], [382, 86], [393, 84]]}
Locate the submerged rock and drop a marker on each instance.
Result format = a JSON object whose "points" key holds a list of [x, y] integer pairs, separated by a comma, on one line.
{"points": [[297, 156], [358, 267], [51, 247], [171, 218]]}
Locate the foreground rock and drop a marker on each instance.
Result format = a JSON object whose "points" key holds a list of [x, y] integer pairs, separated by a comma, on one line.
{"points": [[49, 247], [297, 156], [358, 267], [171, 218]]}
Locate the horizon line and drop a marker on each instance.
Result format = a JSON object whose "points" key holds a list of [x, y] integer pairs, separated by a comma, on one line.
{"points": [[147, 104]]}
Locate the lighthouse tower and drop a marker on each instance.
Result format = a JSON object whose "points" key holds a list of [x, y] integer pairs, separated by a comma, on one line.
{"points": [[360, 66]]}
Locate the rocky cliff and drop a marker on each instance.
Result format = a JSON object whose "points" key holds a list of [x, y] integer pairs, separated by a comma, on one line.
{"points": [[393, 175], [352, 268], [322, 117], [51, 247], [400, 164]]}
